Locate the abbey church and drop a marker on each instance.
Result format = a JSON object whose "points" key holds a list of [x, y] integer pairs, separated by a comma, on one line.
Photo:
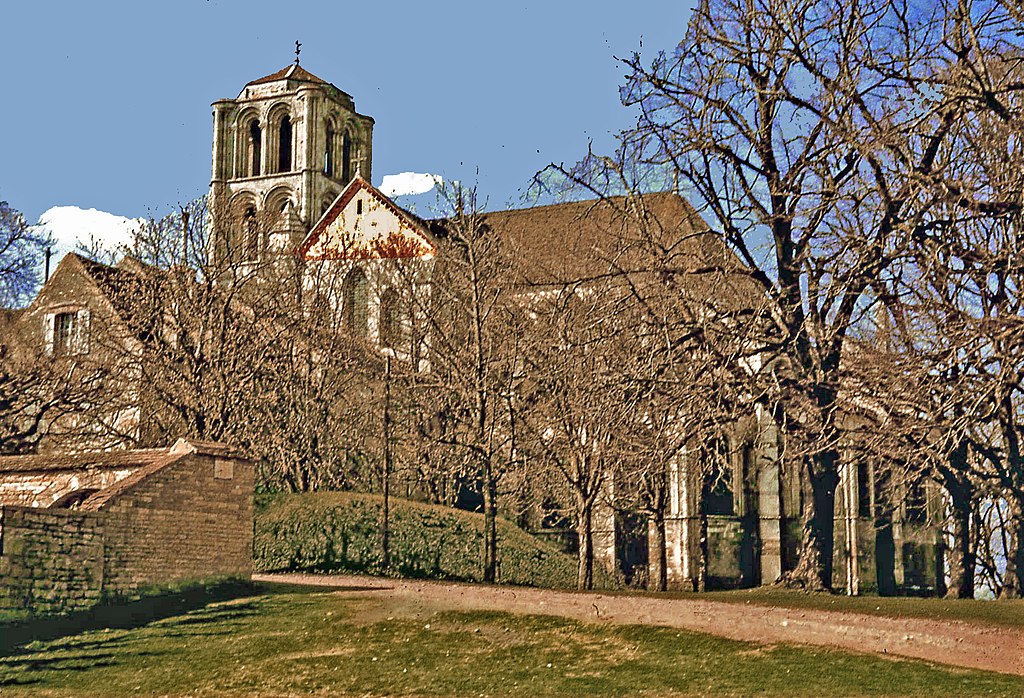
{"points": [[292, 165]]}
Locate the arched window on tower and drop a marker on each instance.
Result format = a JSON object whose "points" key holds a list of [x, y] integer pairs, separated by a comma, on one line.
{"points": [[354, 297], [284, 155], [329, 152], [346, 158], [255, 148], [390, 322], [251, 233]]}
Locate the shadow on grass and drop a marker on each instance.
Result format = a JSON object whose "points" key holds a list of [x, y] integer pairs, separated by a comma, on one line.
{"points": [[121, 615]]}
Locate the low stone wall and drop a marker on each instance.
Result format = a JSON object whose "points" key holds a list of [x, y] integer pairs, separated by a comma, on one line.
{"points": [[185, 515], [51, 561]]}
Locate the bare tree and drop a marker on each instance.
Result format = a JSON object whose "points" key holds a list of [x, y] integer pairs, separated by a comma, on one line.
{"points": [[21, 255], [472, 328], [789, 124]]}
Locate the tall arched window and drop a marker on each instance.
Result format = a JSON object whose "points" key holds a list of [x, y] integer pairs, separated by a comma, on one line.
{"points": [[329, 152], [390, 322], [346, 158], [250, 231], [255, 148], [354, 297], [284, 154]]}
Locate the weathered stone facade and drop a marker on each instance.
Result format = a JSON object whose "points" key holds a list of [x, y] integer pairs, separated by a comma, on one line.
{"points": [[51, 561], [76, 328], [182, 513], [288, 144]]}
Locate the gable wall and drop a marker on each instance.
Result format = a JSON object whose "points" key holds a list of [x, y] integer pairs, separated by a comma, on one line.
{"points": [[70, 289], [182, 522]]}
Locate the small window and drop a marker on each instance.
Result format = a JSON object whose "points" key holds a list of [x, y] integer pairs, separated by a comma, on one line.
{"points": [[67, 333], [64, 333], [359, 207]]}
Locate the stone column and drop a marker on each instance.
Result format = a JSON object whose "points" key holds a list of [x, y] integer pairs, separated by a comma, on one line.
{"points": [[769, 514]]}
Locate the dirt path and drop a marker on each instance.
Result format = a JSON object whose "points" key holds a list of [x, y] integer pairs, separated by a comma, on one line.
{"points": [[946, 642]]}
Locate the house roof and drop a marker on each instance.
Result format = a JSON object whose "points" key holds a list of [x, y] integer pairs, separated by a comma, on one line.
{"points": [[119, 284], [182, 448], [107, 460], [588, 240]]}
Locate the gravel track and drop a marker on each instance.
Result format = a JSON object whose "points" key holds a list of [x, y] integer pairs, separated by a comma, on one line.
{"points": [[956, 643]]}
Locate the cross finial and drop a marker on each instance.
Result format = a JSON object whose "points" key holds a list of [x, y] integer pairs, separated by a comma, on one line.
{"points": [[298, 47]]}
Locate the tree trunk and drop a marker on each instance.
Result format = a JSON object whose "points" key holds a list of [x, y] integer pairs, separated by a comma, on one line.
{"points": [[961, 553], [490, 526], [700, 583], [1013, 578], [661, 583], [585, 532], [385, 528], [814, 567]]}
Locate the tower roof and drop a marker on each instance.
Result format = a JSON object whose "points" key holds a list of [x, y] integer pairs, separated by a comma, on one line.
{"points": [[291, 72]]}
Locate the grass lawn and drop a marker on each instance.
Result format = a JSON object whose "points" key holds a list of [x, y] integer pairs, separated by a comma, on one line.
{"points": [[1003, 613], [282, 642]]}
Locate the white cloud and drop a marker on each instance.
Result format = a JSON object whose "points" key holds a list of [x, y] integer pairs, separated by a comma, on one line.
{"points": [[408, 183], [71, 227]]}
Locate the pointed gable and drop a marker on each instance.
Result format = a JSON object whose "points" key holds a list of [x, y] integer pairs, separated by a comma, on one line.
{"points": [[362, 223]]}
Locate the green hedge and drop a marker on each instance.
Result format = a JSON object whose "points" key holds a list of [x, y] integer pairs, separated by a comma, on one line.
{"points": [[340, 532]]}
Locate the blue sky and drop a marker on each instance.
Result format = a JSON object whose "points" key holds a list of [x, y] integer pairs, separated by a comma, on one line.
{"points": [[107, 104]]}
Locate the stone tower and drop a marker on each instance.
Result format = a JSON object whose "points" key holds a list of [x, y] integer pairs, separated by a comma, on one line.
{"points": [[282, 152]]}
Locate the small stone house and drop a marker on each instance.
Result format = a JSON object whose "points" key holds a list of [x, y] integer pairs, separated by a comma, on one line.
{"points": [[75, 528]]}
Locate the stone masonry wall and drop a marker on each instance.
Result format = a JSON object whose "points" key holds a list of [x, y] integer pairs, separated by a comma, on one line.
{"points": [[51, 561], [190, 520]]}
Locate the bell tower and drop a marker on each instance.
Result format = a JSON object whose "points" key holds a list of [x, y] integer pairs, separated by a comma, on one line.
{"points": [[282, 151]]}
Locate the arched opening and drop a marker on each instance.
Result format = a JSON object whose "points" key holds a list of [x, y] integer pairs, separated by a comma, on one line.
{"points": [[354, 297], [390, 322], [73, 500], [250, 233], [346, 158], [284, 154], [329, 151], [255, 148]]}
